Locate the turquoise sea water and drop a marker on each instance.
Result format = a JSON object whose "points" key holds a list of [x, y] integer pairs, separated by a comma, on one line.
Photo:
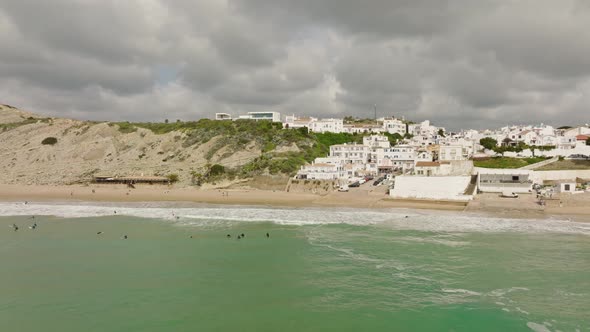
{"points": [[320, 270]]}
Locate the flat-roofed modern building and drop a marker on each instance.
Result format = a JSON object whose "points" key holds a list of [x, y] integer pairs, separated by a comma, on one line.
{"points": [[268, 116]]}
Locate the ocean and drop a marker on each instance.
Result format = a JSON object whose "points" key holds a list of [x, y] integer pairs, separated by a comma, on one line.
{"points": [[318, 270]]}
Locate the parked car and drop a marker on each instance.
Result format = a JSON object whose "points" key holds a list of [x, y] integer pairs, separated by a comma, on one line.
{"points": [[362, 181], [343, 188], [368, 178], [508, 194], [354, 185]]}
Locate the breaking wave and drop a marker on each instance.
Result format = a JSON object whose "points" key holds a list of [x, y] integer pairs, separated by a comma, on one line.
{"points": [[400, 219]]}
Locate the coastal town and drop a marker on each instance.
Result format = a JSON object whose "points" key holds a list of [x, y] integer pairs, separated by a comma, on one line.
{"points": [[424, 161]]}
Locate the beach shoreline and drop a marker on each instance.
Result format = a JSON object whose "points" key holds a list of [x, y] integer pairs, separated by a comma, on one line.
{"points": [[525, 207]]}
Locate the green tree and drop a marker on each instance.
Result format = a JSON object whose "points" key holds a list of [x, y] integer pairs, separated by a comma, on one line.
{"points": [[393, 138], [488, 143], [441, 132], [172, 178], [216, 170], [500, 149]]}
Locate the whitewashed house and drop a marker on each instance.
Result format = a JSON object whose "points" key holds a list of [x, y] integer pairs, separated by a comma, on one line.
{"points": [[320, 171], [432, 168], [294, 122], [362, 128], [394, 126], [327, 126], [376, 141], [451, 152], [351, 153], [399, 157]]}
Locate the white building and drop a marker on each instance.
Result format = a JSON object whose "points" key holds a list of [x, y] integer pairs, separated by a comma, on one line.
{"points": [[222, 116], [265, 116], [321, 171], [394, 126], [327, 126], [351, 153], [424, 128], [432, 168], [451, 152], [398, 157], [362, 128], [501, 180], [294, 122], [376, 141]]}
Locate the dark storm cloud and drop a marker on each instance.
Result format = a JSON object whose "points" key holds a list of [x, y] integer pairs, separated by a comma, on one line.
{"points": [[460, 63]]}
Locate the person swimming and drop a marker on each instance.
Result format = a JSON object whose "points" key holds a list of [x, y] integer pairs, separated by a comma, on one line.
{"points": [[228, 236], [239, 237], [15, 227], [98, 233], [124, 237], [33, 226], [267, 235], [243, 236]]}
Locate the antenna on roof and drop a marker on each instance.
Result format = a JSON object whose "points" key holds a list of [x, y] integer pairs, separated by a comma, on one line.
{"points": [[375, 112]]}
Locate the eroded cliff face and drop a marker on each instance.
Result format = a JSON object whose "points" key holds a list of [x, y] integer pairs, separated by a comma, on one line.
{"points": [[84, 149]]}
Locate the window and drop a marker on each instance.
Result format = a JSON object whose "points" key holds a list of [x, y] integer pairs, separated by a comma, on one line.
{"points": [[514, 178], [566, 187]]}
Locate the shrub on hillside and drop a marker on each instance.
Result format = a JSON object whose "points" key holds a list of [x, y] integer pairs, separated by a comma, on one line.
{"points": [[173, 178], [49, 141], [216, 170]]}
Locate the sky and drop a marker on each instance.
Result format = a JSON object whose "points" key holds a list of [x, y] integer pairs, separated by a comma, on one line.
{"points": [[460, 63]]}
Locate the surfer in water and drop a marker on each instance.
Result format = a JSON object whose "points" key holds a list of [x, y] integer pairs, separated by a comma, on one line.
{"points": [[15, 227]]}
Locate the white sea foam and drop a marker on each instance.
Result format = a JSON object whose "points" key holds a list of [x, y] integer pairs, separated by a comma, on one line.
{"points": [[461, 291], [537, 327], [503, 291], [213, 215]]}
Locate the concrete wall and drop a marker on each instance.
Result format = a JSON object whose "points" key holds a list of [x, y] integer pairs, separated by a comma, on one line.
{"points": [[461, 167], [431, 187], [536, 176], [509, 187], [540, 176], [579, 149]]}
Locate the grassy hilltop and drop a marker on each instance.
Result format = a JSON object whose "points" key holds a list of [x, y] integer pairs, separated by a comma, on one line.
{"points": [[41, 150]]}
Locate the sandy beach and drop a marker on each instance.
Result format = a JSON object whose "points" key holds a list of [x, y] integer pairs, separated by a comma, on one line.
{"points": [[362, 198], [526, 206]]}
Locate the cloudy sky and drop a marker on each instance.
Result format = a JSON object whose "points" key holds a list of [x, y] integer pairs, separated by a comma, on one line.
{"points": [[460, 63]]}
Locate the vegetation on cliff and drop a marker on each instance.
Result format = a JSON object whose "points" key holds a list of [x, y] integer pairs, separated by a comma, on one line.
{"points": [[232, 136]]}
